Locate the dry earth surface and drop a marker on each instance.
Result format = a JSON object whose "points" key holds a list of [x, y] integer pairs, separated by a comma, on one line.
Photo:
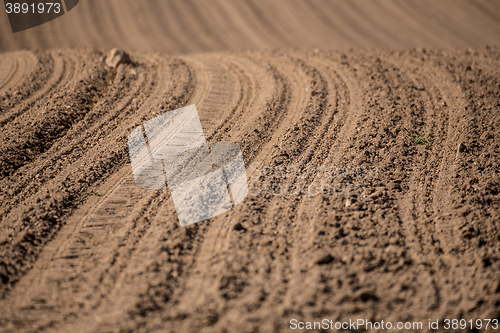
{"points": [[408, 91]]}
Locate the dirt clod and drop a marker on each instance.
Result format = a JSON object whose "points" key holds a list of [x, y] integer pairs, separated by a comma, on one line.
{"points": [[116, 57]]}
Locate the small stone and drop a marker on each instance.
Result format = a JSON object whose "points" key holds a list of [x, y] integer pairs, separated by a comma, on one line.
{"points": [[325, 260], [368, 296], [461, 148], [348, 202], [116, 57], [239, 227]]}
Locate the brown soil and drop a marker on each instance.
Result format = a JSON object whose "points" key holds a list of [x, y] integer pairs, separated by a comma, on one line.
{"points": [[83, 249]]}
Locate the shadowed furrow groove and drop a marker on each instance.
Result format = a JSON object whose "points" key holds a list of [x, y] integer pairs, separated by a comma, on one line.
{"points": [[47, 123], [47, 73], [34, 193]]}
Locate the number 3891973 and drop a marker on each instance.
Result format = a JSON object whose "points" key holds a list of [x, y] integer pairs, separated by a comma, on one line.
{"points": [[40, 8]]}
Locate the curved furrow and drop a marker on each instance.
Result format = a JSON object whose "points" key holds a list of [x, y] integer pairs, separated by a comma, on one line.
{"points": [[435, 209], [105, 224], [342, 236], [47, 76], [433, 200], [35, 132], [30, 177], [247, 86], [131, 256], [310, 215], [239, 272], [165, 236], [447, 108], [308, 139], [174, 267], [430, 119], [37, 283], [8, 68], [96, 138], [273, 118], [275, 229], [220, 108], [55, 72], [29, 136], [288, 240], [443, 104], [34, 180], [266, 100], [159, 227], [408, 179], [466, 225], [406, 185], [14, 68]]}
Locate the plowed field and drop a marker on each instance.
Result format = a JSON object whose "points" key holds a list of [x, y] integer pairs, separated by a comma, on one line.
{"points": [[370, 132]]}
